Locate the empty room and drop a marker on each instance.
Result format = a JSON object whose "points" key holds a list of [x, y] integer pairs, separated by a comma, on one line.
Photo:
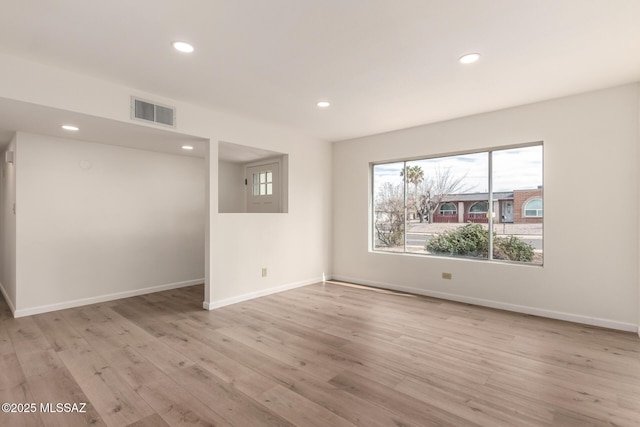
{"points": [[320, 213]]}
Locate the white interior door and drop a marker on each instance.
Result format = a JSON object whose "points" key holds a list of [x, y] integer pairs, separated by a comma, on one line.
{"points": [[263, 188]]}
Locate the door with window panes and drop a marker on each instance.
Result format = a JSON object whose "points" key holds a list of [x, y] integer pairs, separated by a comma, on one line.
{"points": [[263, 188]]}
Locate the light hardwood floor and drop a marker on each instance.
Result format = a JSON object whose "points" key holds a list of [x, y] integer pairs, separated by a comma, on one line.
{"points": [[321, 355]]}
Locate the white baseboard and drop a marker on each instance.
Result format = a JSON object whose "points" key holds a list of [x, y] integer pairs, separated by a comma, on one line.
{"points": [[570, 317], [252, 295], [102, 298], [7, 299]]}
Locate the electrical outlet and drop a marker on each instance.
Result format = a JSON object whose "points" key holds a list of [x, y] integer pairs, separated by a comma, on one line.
{"points": [[447, 276], [264, 271]]}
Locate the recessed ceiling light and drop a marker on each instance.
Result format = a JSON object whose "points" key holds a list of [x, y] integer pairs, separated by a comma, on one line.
{"points": [[183, 47], [323, 104], [187, 147], [70, 128], [469, 58]]}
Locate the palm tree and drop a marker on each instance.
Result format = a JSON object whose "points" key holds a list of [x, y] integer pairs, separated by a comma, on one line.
{"points": [[415, 176]]}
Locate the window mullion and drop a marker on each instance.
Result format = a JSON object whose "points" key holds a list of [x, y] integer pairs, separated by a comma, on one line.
{"points": [[490, 207], [405, 207]]}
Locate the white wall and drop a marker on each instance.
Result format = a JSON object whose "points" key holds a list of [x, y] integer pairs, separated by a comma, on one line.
{"points": [[295, 246], [292, 246], [8, 226], [231, 191], [97, 220], [590, 271]]}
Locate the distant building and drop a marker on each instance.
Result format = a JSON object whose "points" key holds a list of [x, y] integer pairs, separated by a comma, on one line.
{"points": [[518, 207]]}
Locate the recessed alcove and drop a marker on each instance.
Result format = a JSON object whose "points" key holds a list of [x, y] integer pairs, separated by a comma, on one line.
{"points": [[252, 180]]}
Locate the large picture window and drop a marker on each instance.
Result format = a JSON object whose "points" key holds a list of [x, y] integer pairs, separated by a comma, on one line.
{"points": [[482, 205]]}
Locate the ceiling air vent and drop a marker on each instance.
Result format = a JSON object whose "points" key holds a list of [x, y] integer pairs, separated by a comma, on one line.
{"points": [[150, 112]]}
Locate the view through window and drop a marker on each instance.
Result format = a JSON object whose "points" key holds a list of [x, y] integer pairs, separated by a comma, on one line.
{"points": [[484, 205], [263, 183]]}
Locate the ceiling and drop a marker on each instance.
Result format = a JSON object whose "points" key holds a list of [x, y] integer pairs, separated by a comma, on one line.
{"points": [[236, 153], [383, 64]]}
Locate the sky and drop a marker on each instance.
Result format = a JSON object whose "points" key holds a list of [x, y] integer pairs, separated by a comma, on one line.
{"points": [[513, 169]]}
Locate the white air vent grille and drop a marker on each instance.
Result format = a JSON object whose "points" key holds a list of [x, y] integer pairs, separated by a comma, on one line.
{"points": [[150, 112]]}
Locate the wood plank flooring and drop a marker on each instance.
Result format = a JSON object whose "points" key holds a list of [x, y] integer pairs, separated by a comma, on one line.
{"points": [[322, 355]]}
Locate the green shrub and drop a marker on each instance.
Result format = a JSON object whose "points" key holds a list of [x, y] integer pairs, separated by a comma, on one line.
{"points": [[469, 240], [473, 240], [512, 248]]}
